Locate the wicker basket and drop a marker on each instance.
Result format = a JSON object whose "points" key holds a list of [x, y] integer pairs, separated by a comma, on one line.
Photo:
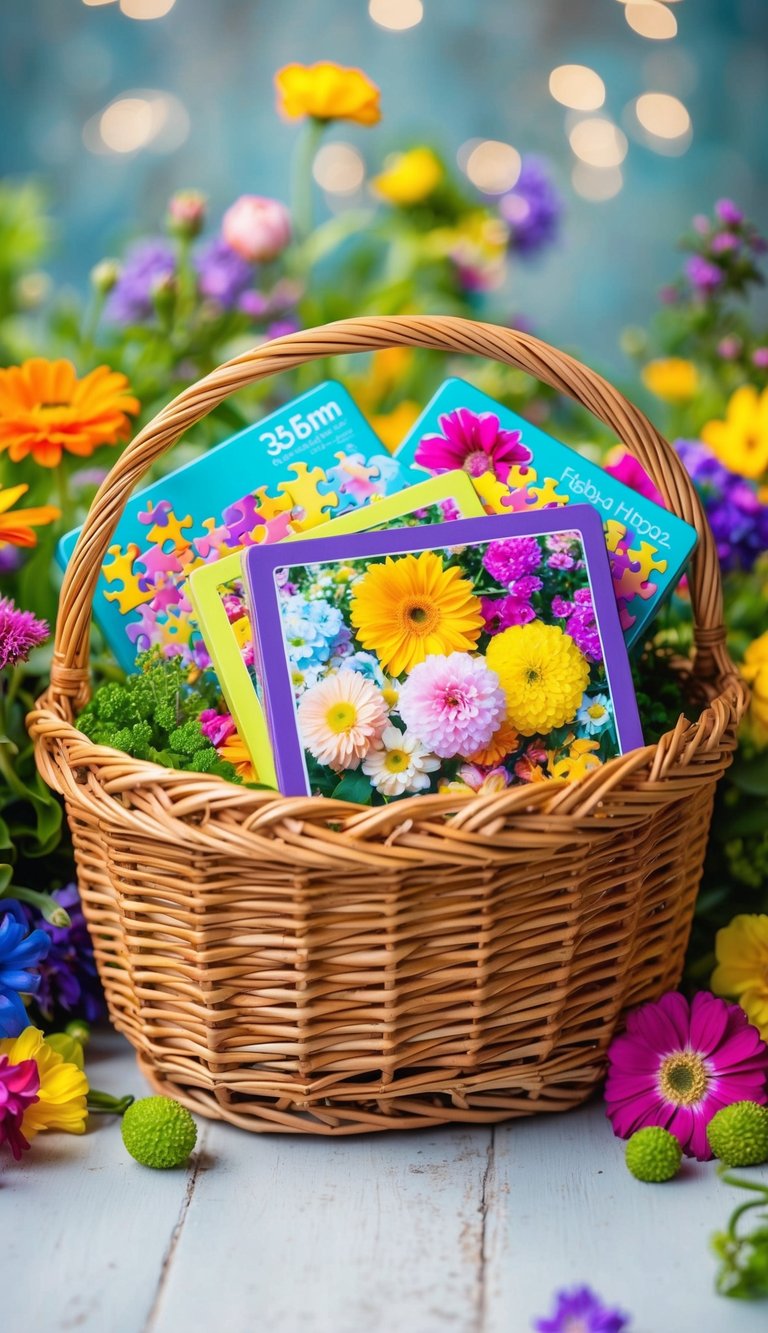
{"points": [[304, 964]]}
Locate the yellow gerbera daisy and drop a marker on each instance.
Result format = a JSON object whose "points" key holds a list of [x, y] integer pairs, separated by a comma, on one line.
{"points": [[409, 606], [542, 673], [754, 669], [63, 1087], [741, 441], [327, 91], [408, 177], [45, 410], [671, 378], [16, 524], [741, 949]]}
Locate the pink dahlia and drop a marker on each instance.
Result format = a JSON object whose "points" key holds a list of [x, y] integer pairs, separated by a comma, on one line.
{"points": [[511, 558], [342, 718], [20, 632], [678, 1064], [19, 1087], [475, 442], [453, 704], [513, 609]]}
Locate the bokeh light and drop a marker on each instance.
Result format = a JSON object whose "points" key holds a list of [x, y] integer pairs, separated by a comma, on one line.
{"points": [[140, 119], [338, 168], [92, 4], [595, 184], [397, 15], [493, 166], [598, 142], [577, 86], [651, 19], [663, 115], [146, 9]]}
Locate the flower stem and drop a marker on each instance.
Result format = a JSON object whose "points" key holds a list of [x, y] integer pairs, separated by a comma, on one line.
{"points": [[103, 1103], [302, 188], [45, 904]]}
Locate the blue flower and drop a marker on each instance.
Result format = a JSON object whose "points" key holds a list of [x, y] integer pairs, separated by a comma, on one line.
{"points": [[69, 982], [368, 666], [20, 951]]}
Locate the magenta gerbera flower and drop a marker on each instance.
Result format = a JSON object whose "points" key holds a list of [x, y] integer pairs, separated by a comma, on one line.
{"points": [[453, 704], [678, 1064], [581, 1311], [19, 1087], [475, 442], [20, 632]]}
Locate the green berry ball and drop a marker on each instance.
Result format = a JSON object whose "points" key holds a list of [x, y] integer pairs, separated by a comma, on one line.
{"points": [[653, 1154], [159, 1132], [738, 1134]]}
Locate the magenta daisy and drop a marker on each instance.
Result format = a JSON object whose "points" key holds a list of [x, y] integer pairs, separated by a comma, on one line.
{"points": [[678, 1064], [20, 632], [475, 442], [512, 558], [19, 1086], [453, 704]]}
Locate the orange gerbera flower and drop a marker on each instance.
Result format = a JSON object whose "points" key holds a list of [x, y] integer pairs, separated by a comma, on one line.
{"points": [[16, 524], [235, 751], [327, 91], [45, 410]]}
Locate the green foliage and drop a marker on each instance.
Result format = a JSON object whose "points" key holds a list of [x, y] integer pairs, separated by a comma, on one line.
{"points": [[743, 1255], [154, 715]]}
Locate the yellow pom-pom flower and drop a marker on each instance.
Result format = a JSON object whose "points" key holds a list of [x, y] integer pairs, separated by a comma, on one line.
{"points": [[741, 949], [542, 673], [408, 607], [409, 177], [63, 1088], [672, 379], [741, 441], [754, 669], [327, 91]]}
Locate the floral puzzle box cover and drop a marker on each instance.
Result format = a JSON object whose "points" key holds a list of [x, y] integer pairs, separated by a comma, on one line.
{"points": [[435, 676], [515, 467], [220, 605], [315, 458]]}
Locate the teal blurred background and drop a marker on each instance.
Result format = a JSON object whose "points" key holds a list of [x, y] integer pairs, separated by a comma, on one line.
{"points": [[467, 69]]}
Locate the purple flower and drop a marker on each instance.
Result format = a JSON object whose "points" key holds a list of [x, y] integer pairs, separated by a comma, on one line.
{"points": [[253, 304], [580, 623], [704, 275], [723, 242], [147, 263], [760, 358], [10, 559], [21, 951], [581, 1311], [500, 613], [737, 517], [222, 275], [560, 560], [20, 632], [509, 558], [280, 328], [532, 208], [727, 212], [68, 977]]}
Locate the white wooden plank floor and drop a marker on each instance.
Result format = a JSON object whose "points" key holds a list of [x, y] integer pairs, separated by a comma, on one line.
{"points": [[466, 1230]]}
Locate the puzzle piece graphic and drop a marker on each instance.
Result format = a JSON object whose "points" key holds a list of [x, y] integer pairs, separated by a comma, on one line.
{"points": [[177, 632], [142, 631], [156, 514], [615, 534], [494, 494], [275, 529], [520, 477], [305, 497], [214, 544], [242, 518], [159, 565], [547, 496], [271, 507], [136, 590], [172, 530], [165, 597], [517, 502], [645, 557]]}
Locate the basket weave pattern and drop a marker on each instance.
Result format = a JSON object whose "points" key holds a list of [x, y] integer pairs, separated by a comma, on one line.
{"points": [[304, 964]]}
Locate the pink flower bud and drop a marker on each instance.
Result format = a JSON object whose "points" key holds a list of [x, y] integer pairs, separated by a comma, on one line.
{"points": [[186, 212], [257, 229], [760, 358]]}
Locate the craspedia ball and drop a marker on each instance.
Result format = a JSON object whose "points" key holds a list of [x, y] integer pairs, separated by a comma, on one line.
{"points": [[653, 1154], [738, 1134], [159, 1132]]}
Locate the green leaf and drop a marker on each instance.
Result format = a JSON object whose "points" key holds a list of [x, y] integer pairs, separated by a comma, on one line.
{"points": [[354, 786], [751, 775]]}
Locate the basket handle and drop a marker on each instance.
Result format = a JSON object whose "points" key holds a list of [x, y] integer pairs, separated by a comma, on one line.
{"points": [[69, 670]]}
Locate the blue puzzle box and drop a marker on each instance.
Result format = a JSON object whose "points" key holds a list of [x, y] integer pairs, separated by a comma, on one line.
{"points": [[516, 467], [312, 460]]}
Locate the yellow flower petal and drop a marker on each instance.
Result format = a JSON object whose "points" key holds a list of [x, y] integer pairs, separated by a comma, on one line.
{"points": [[327, 91], [741, 440], [63, 1088]]}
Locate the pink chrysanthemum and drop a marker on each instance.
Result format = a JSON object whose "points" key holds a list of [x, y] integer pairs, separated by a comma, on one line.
{"points": [[678, 1064], [511, 558], [19, 1086], [341, 718], [453, 704], [513, 609], [20, 632], [475, 442]]}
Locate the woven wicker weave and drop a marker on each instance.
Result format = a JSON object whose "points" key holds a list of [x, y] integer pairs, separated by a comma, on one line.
{"points": [[304, 964]]}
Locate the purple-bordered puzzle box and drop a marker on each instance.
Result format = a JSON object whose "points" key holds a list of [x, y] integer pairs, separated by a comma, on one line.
{"points": [[468, 655]]}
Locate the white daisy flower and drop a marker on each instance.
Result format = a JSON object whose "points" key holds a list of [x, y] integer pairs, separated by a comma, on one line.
{"points": [[595, 713], [399, 763]]}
